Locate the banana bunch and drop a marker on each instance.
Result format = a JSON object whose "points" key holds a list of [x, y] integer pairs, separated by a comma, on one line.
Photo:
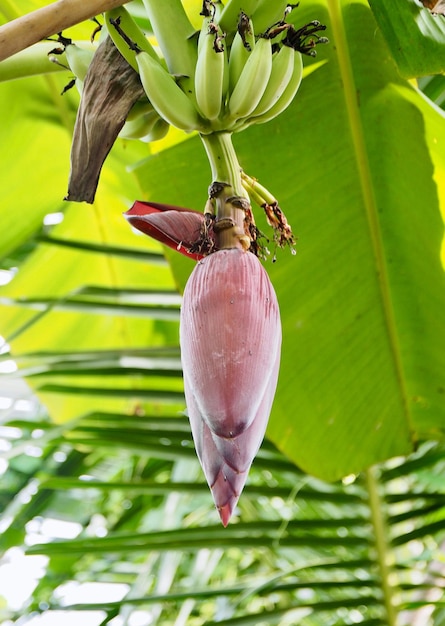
{"points": [[223, 80]]}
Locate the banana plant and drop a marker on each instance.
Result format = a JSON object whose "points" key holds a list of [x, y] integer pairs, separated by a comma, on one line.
{"points": [[356, 385], [188, 87]]}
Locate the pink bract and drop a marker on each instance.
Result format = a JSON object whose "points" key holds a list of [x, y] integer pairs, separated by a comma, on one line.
{"points": [[230, 348], [174, 226]]}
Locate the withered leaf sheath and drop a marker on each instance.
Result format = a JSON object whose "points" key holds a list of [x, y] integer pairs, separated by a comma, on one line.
{"points": [[230, 338], [110, 89]]}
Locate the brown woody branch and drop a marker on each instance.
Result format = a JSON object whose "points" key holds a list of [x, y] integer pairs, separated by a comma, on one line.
{"points": [[33, 27]]}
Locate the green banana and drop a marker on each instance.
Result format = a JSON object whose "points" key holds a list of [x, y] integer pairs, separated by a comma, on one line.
{"points": [[218, 9], [144, 123], [210, 70], [78, 59], [140, 125], [282, 70], [140, 108], [286, 97], [131, 30], [174, 34], [240, 50], [268, 12], [158, 131], [166, 96], [253, 80], [231, 12], [146, 128]]}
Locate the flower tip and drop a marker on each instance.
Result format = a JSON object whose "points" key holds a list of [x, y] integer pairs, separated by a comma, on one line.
{"points": [[225, 497], [225, 513]]}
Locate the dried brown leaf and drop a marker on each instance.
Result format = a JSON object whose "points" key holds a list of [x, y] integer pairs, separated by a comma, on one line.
{"points": [[110, 89]]}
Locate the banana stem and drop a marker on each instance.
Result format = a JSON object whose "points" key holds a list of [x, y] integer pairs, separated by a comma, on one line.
{"points": [[226, 170], [33, 27], [224, 161]]}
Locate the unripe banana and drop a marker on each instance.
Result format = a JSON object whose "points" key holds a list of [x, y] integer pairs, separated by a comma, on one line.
{"points": [[147, 131], [210, 70], [282, 69], [253, 80], [240, 51], [78, 59], [131, 30], [174, 34], [231, 11], [158, 131], [140, 107], [166, 96], [268, 12], [287, 96], [139, 126], [225, 88]]}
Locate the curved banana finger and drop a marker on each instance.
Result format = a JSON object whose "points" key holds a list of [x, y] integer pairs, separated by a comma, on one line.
{"points": [[232, 10], [266, 13], [140, 107], [241, 48], [166, 96], [139, 126], [253, 80], [159, 130], [282, 70], [78, 59], [127, 24], [287, 96], [210, 70]]}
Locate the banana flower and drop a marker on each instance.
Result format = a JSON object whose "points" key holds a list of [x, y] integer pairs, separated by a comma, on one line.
{"points": [[230, 336]]}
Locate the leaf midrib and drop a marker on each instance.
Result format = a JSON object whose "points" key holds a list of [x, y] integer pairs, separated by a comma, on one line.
{"points": [[335, 9]]}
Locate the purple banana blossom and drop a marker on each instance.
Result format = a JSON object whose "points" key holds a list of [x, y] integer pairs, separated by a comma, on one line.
{"points": [[230, 336]]}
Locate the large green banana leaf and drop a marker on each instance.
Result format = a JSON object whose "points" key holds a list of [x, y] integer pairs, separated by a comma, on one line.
{"points": [[357, 163], [358, 166], [414, 35]]}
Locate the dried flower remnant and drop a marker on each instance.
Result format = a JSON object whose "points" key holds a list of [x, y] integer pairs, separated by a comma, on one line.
{"points": [[437, 7]]}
